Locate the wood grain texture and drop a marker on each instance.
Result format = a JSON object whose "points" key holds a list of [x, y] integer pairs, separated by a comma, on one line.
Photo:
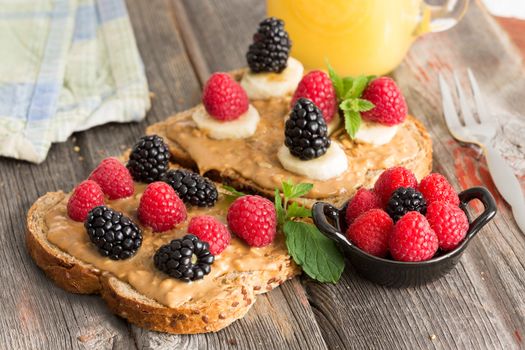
{"points": [[478, 305]]}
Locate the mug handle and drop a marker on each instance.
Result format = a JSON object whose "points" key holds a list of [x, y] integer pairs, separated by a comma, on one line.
{"points": [[441, 15], [320, 212], [489, 205]]}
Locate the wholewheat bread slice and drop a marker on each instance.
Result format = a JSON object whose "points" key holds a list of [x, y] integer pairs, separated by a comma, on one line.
{"points": [[194, 316], [420, 162]]}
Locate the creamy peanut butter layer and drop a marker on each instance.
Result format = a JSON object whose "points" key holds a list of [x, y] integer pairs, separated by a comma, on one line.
{"points": [[139, 271], [255, 158]]}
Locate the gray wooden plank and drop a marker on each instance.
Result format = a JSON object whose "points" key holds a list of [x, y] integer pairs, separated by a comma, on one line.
{"points": [[478, 304]]}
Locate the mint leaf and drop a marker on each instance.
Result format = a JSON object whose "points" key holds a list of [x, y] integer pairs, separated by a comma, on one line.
{"points": [[317, 255], [348, 82], [299, 190], [358, 86], [337, 82], [281, 213], [352, 122], [297, 211], [364, 105], [287, 188], [347, 105], [233, 193]]}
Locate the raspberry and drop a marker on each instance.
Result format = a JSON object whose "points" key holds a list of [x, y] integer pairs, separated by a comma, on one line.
{"points": [[253, 219], [362, 201], [413, 239], [160, 207], [114, 178], [210, 230], [85, 197], [391, 179], [435, 187], [449, 222], [370, 232], [390, 106], [318, 87], [223, 98]]}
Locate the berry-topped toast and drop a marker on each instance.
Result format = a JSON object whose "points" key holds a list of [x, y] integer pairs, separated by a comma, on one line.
{"points": [[259, 126], [165, 248]]}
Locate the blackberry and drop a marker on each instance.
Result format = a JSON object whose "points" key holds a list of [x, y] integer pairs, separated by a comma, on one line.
{"points": [[114, 234], [191, 187], [271, 47], [403, 200], [187, 258], [148, 159], [306, 133]]}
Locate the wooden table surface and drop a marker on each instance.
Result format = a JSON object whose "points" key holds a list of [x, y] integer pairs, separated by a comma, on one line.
{"points": [[480, 304]]}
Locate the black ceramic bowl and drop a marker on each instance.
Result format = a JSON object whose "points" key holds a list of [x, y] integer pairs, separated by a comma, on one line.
{"points": [[331, 222]]}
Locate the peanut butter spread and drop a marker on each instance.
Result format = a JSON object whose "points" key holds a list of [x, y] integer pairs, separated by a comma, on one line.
{"points": [[139, 271], [255, 158]]}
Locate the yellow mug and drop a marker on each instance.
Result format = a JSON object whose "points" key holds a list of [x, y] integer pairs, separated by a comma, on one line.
{"points": [[361, 36]]}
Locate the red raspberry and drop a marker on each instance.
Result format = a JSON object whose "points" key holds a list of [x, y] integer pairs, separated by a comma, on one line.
{"points": [[390, 106], [85, 197], [253, 219], [160, 207], [449, 222], [435, 187], [371, 231], [413, 239], [391, 179], [362, 201], [210, 230], [114, 178], [223, 98], [318, 87]]}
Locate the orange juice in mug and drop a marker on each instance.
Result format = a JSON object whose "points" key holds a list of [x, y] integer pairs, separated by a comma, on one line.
{"points": [[360, 36]]}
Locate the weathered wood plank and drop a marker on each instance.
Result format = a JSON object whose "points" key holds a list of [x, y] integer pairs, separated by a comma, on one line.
{"points": [[468, 308]]}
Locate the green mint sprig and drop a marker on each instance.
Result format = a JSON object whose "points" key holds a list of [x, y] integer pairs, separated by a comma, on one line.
{"points": [[232, 194], [317, 255], [349, 91]]}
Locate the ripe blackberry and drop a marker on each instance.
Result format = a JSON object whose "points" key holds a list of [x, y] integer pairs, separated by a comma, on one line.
{"points": [[306, 131], [148, 159], [114, 234], [191, 187], [187, 258], [271, 47], [403, 200]]}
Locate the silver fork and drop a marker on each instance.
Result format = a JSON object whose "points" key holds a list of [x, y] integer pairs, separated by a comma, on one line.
{"points": [[481, 133]]}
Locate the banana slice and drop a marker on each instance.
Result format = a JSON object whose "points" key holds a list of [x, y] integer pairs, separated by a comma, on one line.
{"points": [[240, 128], [331, 164], [266, 85], [375, 133]]}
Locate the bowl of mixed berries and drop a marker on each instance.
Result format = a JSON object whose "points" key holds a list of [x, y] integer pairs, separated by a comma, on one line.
{"points": [[403, 232]]}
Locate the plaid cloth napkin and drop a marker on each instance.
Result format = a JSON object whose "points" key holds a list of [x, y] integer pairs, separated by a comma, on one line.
{"points": [[65, 66]]}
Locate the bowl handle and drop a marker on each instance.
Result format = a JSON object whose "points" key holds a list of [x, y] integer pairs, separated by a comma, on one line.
{"points": [[320, 213], [489, 205]]}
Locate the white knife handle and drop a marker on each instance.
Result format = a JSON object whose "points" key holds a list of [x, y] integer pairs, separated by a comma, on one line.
{"points": [[507, 184]]}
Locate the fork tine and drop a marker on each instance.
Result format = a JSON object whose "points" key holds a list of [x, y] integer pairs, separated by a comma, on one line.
{"points": [[478, 98], [468, 118], [451, 116]]}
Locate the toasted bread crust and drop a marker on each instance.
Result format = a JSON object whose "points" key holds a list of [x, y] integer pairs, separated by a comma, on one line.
{"points": [[201, 316]]}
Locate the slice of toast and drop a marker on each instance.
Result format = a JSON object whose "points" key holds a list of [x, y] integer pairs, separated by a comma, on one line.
{"points": [[273, 114], [238, 289]]}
